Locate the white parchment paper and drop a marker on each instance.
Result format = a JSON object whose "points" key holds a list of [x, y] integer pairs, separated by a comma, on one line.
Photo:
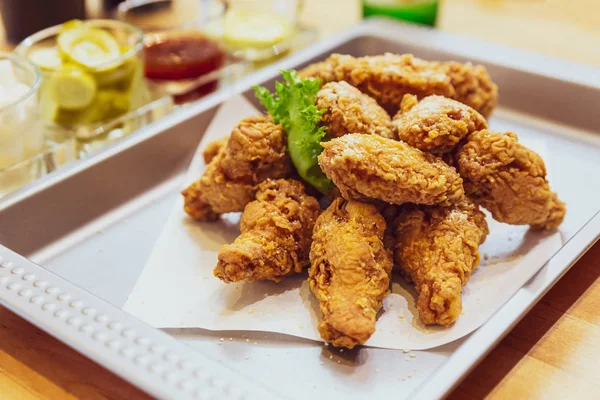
{"points": [[177, 288]]}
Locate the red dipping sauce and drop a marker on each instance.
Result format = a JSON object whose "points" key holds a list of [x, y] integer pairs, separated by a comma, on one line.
{"points": [[183, 56]]}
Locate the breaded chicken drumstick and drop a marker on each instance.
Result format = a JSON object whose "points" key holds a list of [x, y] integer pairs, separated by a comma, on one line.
{"points": [[509, 180], [276, 235], [348, 110], [254, 152], [437, 248], [435, 124], [367, 167], [350, 271], [388, 77]]}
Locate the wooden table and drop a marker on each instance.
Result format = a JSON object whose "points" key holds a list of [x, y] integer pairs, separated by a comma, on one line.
{"points": [[552, 353]]}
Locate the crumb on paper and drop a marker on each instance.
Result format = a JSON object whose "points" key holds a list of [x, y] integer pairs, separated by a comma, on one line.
{"points": [[230, 339], [100, 231], [413, 355], [222, 339], [247, 340], [255, 342], [219, 343], [246, 358], [409, 376], [321, 363], [251, 311], [406, 350], [401, 316], [404, 379]]}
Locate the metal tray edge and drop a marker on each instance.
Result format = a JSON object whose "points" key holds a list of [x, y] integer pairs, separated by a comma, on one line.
{"points": [[147, 357]]}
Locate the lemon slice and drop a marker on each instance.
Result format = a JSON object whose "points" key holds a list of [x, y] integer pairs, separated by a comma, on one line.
{"points": [[247, 28], [46, 58], [72, 88], [88, 46]]}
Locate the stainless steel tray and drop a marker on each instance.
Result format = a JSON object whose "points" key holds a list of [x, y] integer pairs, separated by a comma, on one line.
{"points": [[93, 224]]}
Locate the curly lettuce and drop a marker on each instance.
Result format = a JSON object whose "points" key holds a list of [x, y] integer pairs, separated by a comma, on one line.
{"points": [[293, 106]]}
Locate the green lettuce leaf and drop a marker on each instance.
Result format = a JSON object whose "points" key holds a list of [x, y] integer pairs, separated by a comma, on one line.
{"points": [[293, 106]]}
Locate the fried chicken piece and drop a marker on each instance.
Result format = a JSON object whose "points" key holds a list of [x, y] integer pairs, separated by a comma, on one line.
{"points": [[350, 271], [348, 110], [371, 167], [213, 148], [435, 124], [254, 152], [276, 235], [388, 77], [437, 248], [509, 180]]}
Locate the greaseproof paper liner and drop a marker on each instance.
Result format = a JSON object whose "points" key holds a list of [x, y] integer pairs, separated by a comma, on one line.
{"points": [[178, 290]]}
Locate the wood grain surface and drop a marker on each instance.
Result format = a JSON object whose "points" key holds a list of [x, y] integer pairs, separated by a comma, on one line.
{"points": [[552, 353]]}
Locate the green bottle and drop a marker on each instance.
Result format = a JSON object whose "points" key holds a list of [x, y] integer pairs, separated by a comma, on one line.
{"points": [[419, 11]]}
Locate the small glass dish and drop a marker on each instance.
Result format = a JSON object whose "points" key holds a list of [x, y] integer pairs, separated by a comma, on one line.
{"points": [[260, 30], [187, 65], [60, 150], [80, 92]]}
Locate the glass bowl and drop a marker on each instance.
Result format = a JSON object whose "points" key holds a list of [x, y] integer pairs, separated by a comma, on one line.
{"points": [[101, 90]]}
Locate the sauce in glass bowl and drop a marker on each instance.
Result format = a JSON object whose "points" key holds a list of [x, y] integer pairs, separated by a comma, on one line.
{"points": [[182, 56]]}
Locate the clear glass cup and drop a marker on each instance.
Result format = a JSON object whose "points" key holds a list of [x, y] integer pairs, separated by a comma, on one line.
{"points": [[165, 15], [21, 133], [110, 88], [261, 30]]}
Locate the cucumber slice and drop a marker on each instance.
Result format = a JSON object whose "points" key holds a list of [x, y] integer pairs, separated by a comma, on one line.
{"points": [[89, 47], [72, 88], [47, 59]]}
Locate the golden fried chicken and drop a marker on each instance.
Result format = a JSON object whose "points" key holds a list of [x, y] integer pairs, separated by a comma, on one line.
{"points": [[509, 180], [367, 167], [350, 271], [213, 148], [348, 110], [276, 233], [435, 124], [254, 152], [388, 77], [437, 248]]}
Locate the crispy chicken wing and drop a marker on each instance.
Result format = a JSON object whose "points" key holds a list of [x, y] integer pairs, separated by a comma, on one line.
{"points": [[435, 124], [509, 180], [388, 77], [371, 167], [350, 271], [348, 110], [437, 248], [276, 235], [254, 152]]}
